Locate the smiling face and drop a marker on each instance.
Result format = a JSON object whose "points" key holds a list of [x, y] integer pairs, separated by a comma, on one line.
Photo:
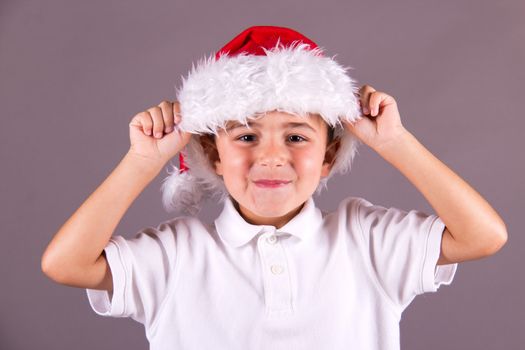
{"points": [[277, 146]]}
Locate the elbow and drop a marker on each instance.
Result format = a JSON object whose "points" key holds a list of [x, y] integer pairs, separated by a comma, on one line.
{"points": [[46, 267], [49, 268], [498, 238]]}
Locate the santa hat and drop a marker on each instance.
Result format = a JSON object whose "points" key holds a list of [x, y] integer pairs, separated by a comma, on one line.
{"points": [[264, 68]]}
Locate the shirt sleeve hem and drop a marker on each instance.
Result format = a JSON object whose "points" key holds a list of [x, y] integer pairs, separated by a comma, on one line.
{"points": [[434, 275], [101, 301]]}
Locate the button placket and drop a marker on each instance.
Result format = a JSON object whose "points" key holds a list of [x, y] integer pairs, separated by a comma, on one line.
{"points": [[278, 291]]}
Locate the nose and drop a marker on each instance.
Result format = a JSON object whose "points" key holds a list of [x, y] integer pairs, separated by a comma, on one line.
{"points": [[272, 153]]}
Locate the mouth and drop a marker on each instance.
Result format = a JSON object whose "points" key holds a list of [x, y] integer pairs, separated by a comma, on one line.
{"points": [[271, 183]]}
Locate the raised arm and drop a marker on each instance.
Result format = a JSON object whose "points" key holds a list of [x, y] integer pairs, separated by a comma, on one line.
{"points": [[75, 256], [473, 228]]}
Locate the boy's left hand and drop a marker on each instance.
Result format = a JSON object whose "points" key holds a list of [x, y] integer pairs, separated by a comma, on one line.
{"points": [[380, 123]]}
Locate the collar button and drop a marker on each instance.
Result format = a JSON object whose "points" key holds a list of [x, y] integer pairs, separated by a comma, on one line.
{"points": [[272, 239]]}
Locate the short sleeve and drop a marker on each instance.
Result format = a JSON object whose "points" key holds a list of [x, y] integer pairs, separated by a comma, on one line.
{"points": [[404, 248], [142, 268]]}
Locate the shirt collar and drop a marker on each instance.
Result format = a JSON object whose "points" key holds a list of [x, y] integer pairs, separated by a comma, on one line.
{"points": [[233, 229]]}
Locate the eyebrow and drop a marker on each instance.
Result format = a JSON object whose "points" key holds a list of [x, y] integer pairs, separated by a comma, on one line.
{"points": [[286, 125]]}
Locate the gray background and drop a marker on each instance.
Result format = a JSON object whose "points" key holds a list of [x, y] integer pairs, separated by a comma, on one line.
{"points": [[72, 75]]}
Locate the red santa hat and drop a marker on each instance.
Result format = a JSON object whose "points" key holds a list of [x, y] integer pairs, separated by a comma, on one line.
{"points": [[264, 68]]}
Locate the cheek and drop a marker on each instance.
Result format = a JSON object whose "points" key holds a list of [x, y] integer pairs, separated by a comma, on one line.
{"points": [[235, 167], [234, 162], [237, 159], [309, 162]]}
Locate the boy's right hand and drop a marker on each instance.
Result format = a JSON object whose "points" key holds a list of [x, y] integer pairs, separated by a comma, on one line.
{"points": [[154, 135]]}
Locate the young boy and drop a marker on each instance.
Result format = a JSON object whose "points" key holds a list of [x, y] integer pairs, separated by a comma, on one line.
{"points": [[264, 125]]}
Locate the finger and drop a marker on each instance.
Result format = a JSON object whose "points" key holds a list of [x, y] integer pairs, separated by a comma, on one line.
{"points": [[377, 99], [158, 122], [374, 102], [365, 89], [167, 115], [365, 92], [143, 120]]}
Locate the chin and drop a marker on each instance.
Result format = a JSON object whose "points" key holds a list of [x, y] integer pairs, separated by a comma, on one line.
{"points": [[267, 207], [270, 213], [271, 208]]}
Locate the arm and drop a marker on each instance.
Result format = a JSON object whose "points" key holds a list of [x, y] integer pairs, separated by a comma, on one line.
{"points": [[473, 228], [73, 257]]}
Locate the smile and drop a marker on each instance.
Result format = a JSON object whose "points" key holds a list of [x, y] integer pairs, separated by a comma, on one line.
{"points": [[271, 183]]}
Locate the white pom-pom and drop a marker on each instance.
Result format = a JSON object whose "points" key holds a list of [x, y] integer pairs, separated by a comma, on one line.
{"points": [[181, 192]]}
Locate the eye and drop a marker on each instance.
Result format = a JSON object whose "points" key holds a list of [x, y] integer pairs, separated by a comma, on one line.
{"points": [[291, 138], [243, 136], [301, 139]]}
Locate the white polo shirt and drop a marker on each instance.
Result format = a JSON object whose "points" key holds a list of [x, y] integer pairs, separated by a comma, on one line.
{"points": [[335, 280]]}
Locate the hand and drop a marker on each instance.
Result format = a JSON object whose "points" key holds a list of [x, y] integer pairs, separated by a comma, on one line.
{"points": [[154, 134], [380, 123]]}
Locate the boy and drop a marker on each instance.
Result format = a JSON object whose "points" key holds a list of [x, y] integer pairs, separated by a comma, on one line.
{"points": [[273, 271]]}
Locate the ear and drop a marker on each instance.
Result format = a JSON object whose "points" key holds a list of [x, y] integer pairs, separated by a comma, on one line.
{"points": [[330, 156], [209, 146]]}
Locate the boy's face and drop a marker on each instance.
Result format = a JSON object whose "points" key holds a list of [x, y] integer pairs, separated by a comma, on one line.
{"points": [[273, 148]]}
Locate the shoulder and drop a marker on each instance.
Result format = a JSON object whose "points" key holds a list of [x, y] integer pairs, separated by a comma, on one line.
{"points": [[375, 221], [350, 208], [364, 211], [358, 214], [164, 239], [345, 218], [183, 223], [352, 202], [183, 228], [167, 232]]}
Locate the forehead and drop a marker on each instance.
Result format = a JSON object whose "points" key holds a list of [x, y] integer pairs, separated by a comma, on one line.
{"points": [[311, 121]]}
